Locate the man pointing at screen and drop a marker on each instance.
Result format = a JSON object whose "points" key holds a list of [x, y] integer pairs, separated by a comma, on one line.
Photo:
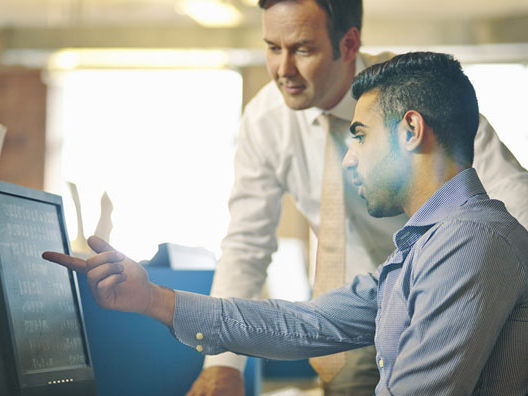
{"points": [[446, 311]]}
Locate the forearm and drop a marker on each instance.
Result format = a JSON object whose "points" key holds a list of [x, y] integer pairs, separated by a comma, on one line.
{"points": [[272, 328], [220, 331], [161, 304]]}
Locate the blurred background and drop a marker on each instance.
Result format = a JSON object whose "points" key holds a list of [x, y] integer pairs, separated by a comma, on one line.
{"points": [[141, 99], [129, 109]]}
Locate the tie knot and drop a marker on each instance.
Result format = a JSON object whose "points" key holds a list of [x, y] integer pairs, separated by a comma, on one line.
{"points": [[332, 124], [324, 121], [335, 129]]}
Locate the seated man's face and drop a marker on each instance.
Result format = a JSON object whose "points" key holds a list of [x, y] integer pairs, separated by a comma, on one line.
{"points": [[379, 167], [299, 55]]}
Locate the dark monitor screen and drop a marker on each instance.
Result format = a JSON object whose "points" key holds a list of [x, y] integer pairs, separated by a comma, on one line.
{"points": [[43, 341]]}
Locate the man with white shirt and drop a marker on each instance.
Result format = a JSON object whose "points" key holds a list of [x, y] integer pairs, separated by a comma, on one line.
{"points": [[312, 56]]}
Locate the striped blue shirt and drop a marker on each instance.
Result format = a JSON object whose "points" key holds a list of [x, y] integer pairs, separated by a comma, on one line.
{"points": [[447, 311]]}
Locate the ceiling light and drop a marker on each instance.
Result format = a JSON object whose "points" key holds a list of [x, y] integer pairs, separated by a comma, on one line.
{"points": [[251, 3], [70, 59], [210, 13]]}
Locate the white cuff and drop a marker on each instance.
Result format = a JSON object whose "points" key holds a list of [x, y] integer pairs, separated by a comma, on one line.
{"points": [[226, 359]]}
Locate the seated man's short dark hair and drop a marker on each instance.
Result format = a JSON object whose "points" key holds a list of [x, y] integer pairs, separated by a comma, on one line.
{"points": [[432, 84]]}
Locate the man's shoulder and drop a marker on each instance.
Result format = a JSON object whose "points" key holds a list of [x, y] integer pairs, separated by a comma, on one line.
{"points": [[487, 212], [479, 234], [267, 120], [487, 217], [373, 59]]}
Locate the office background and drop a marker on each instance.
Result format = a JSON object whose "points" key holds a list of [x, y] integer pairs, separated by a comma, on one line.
{"points": [[141, 99], [148, 93]]}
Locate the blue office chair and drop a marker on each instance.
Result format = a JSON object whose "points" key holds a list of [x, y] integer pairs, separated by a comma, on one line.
{"points": [[135, 355]]}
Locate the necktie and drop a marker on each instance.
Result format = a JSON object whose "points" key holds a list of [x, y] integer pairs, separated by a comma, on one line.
{"points": [[330, 262]]}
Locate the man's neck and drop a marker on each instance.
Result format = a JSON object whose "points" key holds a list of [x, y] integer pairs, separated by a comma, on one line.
{"points": [[431, 173], [348, 76]]}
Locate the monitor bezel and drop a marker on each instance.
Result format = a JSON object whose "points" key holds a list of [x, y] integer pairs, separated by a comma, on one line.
{"points": [[17, 379]]}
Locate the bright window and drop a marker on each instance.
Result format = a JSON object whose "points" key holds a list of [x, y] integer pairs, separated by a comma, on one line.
{"points": [[160, 142], [502, 91]]}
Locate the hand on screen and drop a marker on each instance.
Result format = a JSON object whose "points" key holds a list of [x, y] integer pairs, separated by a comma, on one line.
{"points": [[116, 281]]}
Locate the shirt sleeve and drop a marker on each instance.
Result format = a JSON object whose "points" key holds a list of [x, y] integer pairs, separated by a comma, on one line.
{"points": [[501, 174], [336, 321], [472, 274], [255, 206]]}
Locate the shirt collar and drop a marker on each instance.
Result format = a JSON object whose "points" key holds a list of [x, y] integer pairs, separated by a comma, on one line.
{"points": [[453, 194], [346, 106]]}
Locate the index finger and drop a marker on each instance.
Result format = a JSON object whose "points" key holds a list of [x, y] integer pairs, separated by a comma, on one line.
{"points": [[73, 263]]}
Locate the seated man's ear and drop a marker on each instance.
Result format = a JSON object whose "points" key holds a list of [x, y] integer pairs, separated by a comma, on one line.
{"points": [[412, 131]]}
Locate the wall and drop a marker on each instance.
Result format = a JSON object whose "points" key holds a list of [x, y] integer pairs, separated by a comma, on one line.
{"points": [[23, 112]]}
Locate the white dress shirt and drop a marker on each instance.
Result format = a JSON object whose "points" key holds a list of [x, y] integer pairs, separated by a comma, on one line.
{"points": [[280, 151]]}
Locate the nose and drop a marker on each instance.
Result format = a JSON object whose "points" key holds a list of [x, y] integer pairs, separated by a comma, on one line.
{"points": [[287, 66], [350, 162]]}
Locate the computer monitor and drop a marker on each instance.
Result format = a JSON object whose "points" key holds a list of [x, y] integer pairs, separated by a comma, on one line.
{"points": [[43, 344]]}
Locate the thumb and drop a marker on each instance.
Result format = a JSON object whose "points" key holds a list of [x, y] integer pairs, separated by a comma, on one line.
{"points": [[99, 245]]}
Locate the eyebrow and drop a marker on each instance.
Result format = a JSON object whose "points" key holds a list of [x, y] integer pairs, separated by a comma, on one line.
{"points": [[354, 126], [297, 44]]}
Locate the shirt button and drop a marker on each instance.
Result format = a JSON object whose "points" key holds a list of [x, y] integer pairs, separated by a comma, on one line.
{"points": [[199, 348], [199, 336], [380, 362]]}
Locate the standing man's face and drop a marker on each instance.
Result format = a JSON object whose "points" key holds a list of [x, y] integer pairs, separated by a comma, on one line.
{"points": [[299, 55], [380, 168]]}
